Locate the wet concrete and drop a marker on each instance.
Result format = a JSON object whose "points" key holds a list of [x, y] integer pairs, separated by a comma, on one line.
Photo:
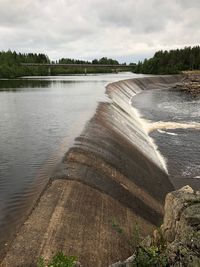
{"points": [[112, 173]]}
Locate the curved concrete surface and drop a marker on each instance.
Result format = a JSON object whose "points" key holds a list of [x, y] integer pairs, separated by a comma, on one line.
{"points": [[113, 175]]}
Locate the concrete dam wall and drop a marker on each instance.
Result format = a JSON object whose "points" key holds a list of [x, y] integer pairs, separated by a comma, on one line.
{"points": [[112, 179]]}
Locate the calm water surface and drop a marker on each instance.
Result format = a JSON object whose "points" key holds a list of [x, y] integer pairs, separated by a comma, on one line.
{"points": [[39, 120]]}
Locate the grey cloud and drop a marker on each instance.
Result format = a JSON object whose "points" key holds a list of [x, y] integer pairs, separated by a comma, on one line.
{"points": [[139, 16], [189, 3], [94, 28], [17, 12]]}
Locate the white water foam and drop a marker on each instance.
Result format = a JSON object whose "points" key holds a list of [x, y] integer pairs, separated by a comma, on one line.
{"points": [[144, 125], [165, 132], [134, 127], [152, 126]]}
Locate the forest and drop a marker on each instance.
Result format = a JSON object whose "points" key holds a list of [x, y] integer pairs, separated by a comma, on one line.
{"points": [[10, 65], [171, 62], [163, 62], [81, 70]]}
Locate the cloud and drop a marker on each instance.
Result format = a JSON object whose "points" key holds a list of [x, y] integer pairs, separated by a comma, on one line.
{"points": [[94, 28]]}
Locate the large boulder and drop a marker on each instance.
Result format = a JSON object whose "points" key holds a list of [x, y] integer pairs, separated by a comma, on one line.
{"points": [[178, 238], [181, 227], [180, 212]]}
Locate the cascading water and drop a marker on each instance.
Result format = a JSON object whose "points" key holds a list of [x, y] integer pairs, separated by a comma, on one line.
{"points": [[133, 126]]}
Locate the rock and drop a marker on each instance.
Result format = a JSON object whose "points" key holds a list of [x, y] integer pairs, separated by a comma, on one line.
{"points": [[147, 241], [191, 84], [175, 203], [77, 264], [181, 227], [127, 263], [191, 216], [179, 235]]}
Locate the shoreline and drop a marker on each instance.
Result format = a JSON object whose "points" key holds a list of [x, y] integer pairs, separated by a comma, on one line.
{"points": [[90, 161], [191, 84]]}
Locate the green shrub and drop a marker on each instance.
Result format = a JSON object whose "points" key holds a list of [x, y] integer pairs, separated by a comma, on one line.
{"points": [[117, 227], [59, 260], [136, 237], [149, 257]]}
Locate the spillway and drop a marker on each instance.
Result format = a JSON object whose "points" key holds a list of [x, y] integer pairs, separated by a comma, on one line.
{"points": [[112, 175]]}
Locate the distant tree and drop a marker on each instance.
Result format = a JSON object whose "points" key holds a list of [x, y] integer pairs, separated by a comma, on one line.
{"points": [[108, 61], [95, 61], [171, 62], [10, 64]]}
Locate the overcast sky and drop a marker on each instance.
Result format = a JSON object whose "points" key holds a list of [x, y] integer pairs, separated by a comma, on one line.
{"points": [[127, 30]]}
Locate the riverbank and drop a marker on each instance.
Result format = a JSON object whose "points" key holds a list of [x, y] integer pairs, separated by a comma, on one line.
{"points": [[191, 84], [112, 178]]}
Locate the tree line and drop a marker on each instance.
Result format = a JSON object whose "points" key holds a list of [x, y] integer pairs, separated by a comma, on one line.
{"points": [[163, 62], [10, 65], [171, 62], [79, 70], [102, 61]]}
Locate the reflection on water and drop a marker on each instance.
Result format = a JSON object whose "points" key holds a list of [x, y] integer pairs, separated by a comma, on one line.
{"points": [[21, 84], [174, 122], [39, 120], [49, 81]]}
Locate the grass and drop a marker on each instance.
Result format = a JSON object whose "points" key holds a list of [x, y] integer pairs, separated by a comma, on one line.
{"points": [[135, 237], [58, 260]]}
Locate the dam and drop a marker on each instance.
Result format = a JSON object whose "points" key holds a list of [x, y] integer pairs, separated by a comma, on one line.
{"points": [[112, 178]]}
